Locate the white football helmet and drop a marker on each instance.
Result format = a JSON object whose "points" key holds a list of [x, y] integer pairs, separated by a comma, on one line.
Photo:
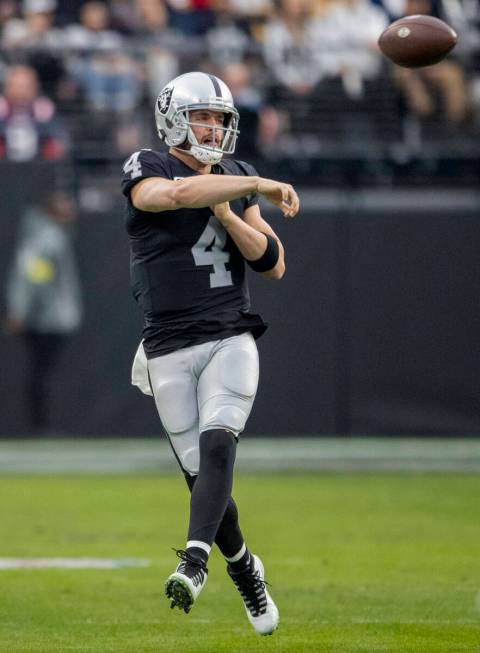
{"points": [[187, 93]]}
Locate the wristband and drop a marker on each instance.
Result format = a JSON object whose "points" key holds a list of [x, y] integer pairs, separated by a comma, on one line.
{"points": [[269, 258]]}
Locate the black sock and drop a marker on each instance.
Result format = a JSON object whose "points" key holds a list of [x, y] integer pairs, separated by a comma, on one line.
{"points": [[197, 553], [212, 488], [242, 563]]}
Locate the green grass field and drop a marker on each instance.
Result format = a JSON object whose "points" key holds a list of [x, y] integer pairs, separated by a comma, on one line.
{"points": [[358, 563]]}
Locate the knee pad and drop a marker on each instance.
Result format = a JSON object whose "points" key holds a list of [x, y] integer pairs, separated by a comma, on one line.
{"points": [[185, 445], [230, 413], [189, 458]]}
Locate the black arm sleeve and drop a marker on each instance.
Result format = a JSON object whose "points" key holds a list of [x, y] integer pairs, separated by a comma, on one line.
{"points": [[269, 258]]}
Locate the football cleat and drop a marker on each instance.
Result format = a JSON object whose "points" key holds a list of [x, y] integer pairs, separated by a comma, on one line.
{"points": [[186, 582], [262, 612]]}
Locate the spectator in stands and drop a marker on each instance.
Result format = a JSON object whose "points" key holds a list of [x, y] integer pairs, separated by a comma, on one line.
{"points": [[255, 13], [246, 95], [28, 127], [348, 31], [249, 101], [439, 89], [290, 46], [36, 41], [67, 12], [273, 126], [464, 17], [139, 17], [150, 17], [8, 13], [43, 296], [108, 76], [123, 16], [156, 47], [36, 30], [253, 9], [160, 44], [92, 31], [227, 40], [191, 17]]}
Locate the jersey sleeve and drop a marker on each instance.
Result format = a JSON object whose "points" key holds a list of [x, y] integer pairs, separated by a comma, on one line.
{"points": [[141, 165], [242, 168], [250, 200]]}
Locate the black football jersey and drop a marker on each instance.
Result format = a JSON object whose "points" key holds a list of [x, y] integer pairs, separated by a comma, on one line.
{"points": [[186, 272]]}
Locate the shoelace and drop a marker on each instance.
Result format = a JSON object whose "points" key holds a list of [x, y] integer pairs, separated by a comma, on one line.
{"points": [[252, 589], [192, 567]]}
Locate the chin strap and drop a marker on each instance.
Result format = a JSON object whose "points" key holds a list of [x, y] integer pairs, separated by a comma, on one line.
{"points": [[206, 156], [203, 154]]}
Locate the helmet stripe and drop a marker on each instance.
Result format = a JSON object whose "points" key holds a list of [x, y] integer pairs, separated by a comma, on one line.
{"points": [[216, 86]]}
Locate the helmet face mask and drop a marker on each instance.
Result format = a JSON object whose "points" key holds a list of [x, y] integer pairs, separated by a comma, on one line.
{"points": [[213, 153], [193, 92]]}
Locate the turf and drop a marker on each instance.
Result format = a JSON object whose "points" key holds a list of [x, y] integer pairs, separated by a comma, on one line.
{"points": [[357, 564]]}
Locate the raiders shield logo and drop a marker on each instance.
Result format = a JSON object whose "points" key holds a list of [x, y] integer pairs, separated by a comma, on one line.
{"points": [[164, 99]]}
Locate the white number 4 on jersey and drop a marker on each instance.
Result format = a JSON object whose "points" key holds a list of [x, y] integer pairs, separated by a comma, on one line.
{"points": [[133, 166], [208, 250]]}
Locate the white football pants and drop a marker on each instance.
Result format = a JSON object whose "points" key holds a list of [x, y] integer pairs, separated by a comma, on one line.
{"points": [[207, 386]]}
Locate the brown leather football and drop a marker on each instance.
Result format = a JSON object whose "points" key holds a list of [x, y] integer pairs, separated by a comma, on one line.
{"points": [[415, 41]]}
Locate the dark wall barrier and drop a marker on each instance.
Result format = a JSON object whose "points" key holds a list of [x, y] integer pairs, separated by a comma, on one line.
{"points": [[415, 323], [373, 330]]}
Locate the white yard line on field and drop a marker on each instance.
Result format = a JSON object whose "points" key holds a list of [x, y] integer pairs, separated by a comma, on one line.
{"points": [[70, 563]]}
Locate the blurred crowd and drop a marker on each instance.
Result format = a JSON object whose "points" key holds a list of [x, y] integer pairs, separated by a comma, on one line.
{"points": [[81, 76]]}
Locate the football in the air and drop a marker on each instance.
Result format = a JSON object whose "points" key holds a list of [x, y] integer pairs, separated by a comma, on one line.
{"points": [[416, 41]]}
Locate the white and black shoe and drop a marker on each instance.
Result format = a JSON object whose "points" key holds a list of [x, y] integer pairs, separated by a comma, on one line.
{"points": [[186, 582], [262, 612]]}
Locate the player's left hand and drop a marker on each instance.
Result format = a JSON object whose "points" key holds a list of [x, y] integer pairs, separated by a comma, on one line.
{"points": [[223, 212]]}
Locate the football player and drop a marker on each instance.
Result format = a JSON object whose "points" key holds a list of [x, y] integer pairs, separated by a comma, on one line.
{"points": [[193, 222]]}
